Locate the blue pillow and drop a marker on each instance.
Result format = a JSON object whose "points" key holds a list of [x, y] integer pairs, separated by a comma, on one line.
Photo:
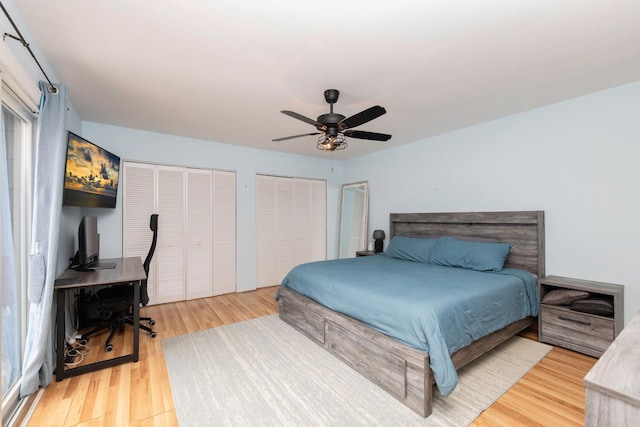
{"points": [[410, 248], [480, 256]]}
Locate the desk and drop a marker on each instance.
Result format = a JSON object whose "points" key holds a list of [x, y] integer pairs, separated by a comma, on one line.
{"points": [[128, 270]]}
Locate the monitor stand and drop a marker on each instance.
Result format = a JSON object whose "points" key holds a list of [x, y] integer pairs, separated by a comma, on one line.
{"points": [[96, 266]]}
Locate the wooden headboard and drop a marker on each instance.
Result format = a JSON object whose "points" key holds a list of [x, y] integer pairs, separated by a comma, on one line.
{"points": [[524, 230]]}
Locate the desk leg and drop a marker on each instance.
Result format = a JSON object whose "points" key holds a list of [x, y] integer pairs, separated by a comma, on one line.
{"points": [[60, 330], [136, 320]]}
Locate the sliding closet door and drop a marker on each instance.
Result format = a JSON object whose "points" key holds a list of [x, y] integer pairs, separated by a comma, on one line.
{"points": [[139, 189], [199, 266], [290, 225], [171, 234], [224, 232]]}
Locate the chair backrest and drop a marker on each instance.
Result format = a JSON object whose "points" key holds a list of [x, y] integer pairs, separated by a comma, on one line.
{"points": [[153, 225]]}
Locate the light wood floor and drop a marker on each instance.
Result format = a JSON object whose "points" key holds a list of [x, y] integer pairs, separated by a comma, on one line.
{"points": [[138, 394]]}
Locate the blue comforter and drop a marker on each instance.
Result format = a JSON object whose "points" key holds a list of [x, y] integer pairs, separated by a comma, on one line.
{"points": [[433, 308]]}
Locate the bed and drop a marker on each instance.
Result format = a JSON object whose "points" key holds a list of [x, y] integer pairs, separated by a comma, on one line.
{"points": [[402, 366]]}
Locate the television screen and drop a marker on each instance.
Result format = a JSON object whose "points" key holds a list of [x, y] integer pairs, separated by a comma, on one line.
{"points": [[91, 175]]}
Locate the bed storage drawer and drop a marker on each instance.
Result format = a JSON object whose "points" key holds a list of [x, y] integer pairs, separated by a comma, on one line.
{"points": [[577, 331], [381, 367], [401, 371], [306, 321]]}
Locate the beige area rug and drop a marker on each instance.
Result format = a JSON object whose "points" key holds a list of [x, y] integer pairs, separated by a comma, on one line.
{"points": [[262, 372]]}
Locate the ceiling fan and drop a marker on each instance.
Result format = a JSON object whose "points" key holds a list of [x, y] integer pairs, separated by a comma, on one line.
{"points": [[335, 127]]}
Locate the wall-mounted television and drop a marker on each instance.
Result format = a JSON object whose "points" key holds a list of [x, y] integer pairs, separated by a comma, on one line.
{"points": [[90, 176]]}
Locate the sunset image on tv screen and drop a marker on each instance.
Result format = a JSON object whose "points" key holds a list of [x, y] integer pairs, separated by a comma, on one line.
{"points": [[90, 171]]}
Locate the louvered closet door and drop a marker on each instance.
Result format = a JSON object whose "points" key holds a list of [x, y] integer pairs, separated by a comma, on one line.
{"points": [[285, 229], [310, 213], [318, 221], [291, 225], [266, 255], [302, 220], [224, 232], [171, 236], [199, 255], [138, 187]]}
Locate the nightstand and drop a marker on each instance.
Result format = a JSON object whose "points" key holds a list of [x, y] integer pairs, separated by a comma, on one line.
{"points": [[367, 253], [578, 331]]}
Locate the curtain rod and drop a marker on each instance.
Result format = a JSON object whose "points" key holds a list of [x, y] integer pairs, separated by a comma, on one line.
{"points": [[52, 88]]}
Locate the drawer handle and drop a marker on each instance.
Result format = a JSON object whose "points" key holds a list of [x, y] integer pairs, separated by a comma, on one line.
{"points": [[582, 322]]}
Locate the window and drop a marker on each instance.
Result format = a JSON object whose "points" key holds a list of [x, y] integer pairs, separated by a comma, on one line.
{"points": [[15, 181]]}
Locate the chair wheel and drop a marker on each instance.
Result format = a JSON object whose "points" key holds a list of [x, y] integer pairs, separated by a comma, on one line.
{"points": [[108, 347], [153, 334], [152, 322]]}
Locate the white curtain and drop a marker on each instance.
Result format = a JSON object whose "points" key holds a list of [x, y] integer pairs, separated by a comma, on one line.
{"points": [[39, 357], [10, 299]]}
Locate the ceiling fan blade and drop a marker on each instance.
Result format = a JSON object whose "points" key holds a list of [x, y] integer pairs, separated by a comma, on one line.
{"points": [[362, 117], [295, 136], [360, 134], [303, 118]]}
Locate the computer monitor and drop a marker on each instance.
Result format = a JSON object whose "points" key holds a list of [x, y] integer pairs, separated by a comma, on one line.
{"points": [[88, 241], [89, 246]]}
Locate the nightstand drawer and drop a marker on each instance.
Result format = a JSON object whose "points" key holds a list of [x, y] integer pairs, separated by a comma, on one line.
{"points": [[575, 330], [366, 253]]}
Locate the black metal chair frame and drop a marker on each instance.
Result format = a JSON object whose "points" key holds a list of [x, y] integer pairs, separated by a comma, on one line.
{"points": [[119, 299]]}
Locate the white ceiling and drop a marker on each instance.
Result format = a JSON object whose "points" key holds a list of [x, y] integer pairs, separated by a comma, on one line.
{"points": [[221, 70]]}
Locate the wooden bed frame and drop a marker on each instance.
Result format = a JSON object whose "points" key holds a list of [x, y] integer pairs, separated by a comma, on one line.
{"points": [[400, 370]]}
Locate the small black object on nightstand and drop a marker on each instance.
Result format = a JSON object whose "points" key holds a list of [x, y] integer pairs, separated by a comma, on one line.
{"points": [[378, 235]]}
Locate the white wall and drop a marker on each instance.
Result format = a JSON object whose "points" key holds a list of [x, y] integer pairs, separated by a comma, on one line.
{"points": [[150, 147], [576, 160]]}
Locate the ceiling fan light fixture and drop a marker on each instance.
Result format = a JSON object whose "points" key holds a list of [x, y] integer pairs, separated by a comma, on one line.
{"points": [[332, 143]]}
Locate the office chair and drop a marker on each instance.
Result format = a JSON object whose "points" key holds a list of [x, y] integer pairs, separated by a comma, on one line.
{"points": [[115, 303]]}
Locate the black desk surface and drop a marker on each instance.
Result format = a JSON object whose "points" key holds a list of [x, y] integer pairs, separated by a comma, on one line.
{"points": [[127, 270]]}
